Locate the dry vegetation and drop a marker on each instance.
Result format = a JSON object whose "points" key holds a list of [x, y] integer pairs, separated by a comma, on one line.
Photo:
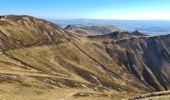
{"points": [[41, 61]]}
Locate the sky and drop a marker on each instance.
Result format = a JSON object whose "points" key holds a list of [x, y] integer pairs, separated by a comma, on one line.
{"points": [[89, 9]]}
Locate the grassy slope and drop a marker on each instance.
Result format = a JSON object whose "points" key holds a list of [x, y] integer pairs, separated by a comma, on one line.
{"points": [[41, 60]]}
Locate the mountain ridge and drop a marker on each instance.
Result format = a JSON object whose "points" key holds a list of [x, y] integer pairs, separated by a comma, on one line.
{"points": [[84, 67], [92, 29]]}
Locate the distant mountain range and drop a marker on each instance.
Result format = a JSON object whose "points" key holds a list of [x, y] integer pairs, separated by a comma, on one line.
{"points": [[145, 26], [92, 30]]}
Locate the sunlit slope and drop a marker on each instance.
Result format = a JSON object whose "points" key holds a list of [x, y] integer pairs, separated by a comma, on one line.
{"points": [[40, 60]]}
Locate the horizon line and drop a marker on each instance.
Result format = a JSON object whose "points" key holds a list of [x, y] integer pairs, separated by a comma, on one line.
{"points": [[99, 19], [55, 18]]}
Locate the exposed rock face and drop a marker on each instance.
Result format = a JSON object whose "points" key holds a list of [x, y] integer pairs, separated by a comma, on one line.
{"points": [[145, 57], [38, 56]]}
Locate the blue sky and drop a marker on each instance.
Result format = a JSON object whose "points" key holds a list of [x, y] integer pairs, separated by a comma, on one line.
{"points": [[91, 9]]}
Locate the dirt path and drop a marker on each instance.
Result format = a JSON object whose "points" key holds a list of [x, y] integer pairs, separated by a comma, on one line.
{"points": [[31, 73]]}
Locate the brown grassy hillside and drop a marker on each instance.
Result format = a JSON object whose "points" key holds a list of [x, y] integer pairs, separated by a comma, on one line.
{"points": [[41, 61]]}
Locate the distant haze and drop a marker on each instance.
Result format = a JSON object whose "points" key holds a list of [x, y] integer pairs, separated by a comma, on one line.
{"points": [[145, 26]]}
